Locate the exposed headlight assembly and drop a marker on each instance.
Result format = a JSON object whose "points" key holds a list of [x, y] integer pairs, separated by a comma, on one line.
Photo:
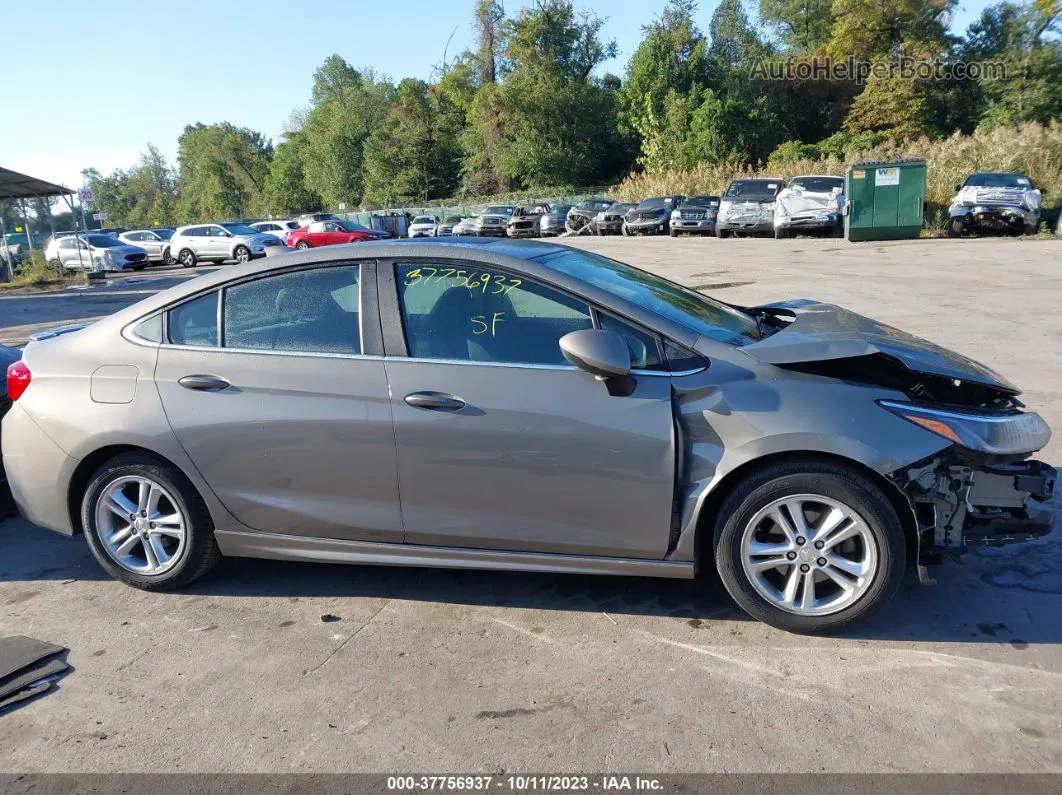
{"points": [[999, 434]]}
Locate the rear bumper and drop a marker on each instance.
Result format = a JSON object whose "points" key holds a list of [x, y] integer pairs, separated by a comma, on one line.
{"points": [[38, 472]]}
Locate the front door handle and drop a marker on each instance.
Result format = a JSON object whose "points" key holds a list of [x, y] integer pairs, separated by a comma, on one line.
{"points": [[204, 383], [434, 401]]}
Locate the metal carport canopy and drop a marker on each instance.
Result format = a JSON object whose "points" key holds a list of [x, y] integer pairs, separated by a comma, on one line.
{"points": [[19, 186]]}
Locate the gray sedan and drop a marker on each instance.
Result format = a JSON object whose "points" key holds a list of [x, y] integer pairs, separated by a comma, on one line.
{"points": [[518, 405]]}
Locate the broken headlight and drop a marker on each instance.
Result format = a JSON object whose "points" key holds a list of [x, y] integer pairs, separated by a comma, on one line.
{"points": [[999, 434]]}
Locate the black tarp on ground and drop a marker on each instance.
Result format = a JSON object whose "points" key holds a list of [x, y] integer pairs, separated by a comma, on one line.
{"points": [[24, 662]]}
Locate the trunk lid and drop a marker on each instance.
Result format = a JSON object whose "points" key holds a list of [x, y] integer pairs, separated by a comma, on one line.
{"points": [[820, 332]]}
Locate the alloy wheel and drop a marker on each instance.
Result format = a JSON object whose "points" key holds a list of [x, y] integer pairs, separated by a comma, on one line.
{"points": [[141, 525], [809, 555]]}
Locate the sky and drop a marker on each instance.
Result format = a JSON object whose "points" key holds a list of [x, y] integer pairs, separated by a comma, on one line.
{"points": [[91, 84]]}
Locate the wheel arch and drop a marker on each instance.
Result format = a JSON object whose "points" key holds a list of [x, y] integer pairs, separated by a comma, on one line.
{"points": [[82, 474], [704, 541]]}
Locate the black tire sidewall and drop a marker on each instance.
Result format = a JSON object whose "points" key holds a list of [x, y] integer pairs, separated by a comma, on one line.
{"points": [[839, 483], [201, 550]]}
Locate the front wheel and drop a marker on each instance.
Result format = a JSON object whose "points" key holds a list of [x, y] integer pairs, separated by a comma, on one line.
{"points": [[146, 524], [955, 228], [241, 254], [187, 258], [809, 546], [722, 234], [780, 233]]}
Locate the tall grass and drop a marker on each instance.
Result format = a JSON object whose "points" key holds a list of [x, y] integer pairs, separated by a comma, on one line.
{"points": [[1032, 149]]}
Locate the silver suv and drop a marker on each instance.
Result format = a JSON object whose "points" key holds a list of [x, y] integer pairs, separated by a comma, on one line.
{"points": [[219, 242]]}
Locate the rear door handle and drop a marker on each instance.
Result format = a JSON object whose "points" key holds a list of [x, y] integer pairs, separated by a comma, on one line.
{"points": [[434, 401], [204, 383]]}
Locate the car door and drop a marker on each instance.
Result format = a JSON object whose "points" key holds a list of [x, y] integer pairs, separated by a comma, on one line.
{"points": [[281, 409], [501, 443], [217, 242], [75, 254]]}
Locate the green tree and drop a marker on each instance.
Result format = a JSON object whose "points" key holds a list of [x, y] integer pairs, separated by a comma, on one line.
{"points": [[801, 25], [734, 42], [221, 171], [285, 184], [415, 154], [873, 29]]}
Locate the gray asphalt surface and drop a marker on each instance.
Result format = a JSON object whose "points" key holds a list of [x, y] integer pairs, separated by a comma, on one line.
{"points": [[435, 670]]}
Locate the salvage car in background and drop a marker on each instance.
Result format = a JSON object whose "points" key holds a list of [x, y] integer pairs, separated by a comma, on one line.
{"points": [[218, 243], [493, 221], [422, 226], [610, 220], [308, 218], [526, 220], [156, 242], [747, 207], [810, 204], [332, 233], [695, 215], [466, 226], [994, 202], [445, 227], [585, 211], [552, 223], [95, 252], [651, 216], [545, 408]]}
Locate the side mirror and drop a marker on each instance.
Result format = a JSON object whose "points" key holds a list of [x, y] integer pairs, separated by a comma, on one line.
{"points": [[958, 188], [597, 351]]}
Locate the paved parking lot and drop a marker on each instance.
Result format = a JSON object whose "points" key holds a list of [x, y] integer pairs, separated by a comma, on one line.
{"points": [[435, 670]]}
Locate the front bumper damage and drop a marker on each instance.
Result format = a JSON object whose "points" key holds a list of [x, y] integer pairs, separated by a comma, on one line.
{"points": [[997, 218], [962, 500]]}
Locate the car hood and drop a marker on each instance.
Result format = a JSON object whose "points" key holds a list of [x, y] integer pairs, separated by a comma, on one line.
{"points": [[820, 332], [262, 238], [121, 250], [493, 217], [791, 202], [1015, 197]]}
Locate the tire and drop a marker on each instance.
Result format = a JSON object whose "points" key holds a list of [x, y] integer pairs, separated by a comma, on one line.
{"points": [[955, 228], [167, 258], [188, 539], [780, 233], [138, 267], [302, 245], [673, 233], [722, 234], [871, 530], [241, 254], [187, 258]]}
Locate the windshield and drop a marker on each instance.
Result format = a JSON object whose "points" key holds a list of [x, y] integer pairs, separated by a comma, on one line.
{"points": [[453, 219], [595, 204], [817, 184], [350, 226], [103, 241], [701, 201], [997, 181], [498, 209], [239, 229], [656, 202], [561, 210], [621, 209], [757, 190], [679, 304]]}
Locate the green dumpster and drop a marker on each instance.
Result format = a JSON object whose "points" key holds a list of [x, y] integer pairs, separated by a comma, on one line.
{"points": [[885, 201]]}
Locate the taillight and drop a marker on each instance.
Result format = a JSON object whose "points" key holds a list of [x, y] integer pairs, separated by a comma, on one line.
{"points": [[18, 379]]}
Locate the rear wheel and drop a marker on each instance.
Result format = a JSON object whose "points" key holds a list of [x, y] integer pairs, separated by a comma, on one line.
{"points": [[809, 546], [146, 524], [302, 244], [187, 258]]}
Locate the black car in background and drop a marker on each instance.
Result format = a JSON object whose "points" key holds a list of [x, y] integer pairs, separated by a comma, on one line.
{"points": [[696, 215]]}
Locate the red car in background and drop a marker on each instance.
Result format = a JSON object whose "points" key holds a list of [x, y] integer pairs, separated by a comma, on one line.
{"points": [[330, 233]]}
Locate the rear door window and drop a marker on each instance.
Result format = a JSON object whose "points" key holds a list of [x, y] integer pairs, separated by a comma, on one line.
{"points": [[195, 322], [310, 311]]}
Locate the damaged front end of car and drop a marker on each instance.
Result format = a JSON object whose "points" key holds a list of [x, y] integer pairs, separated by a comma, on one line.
{"points": [[982, 487]]}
